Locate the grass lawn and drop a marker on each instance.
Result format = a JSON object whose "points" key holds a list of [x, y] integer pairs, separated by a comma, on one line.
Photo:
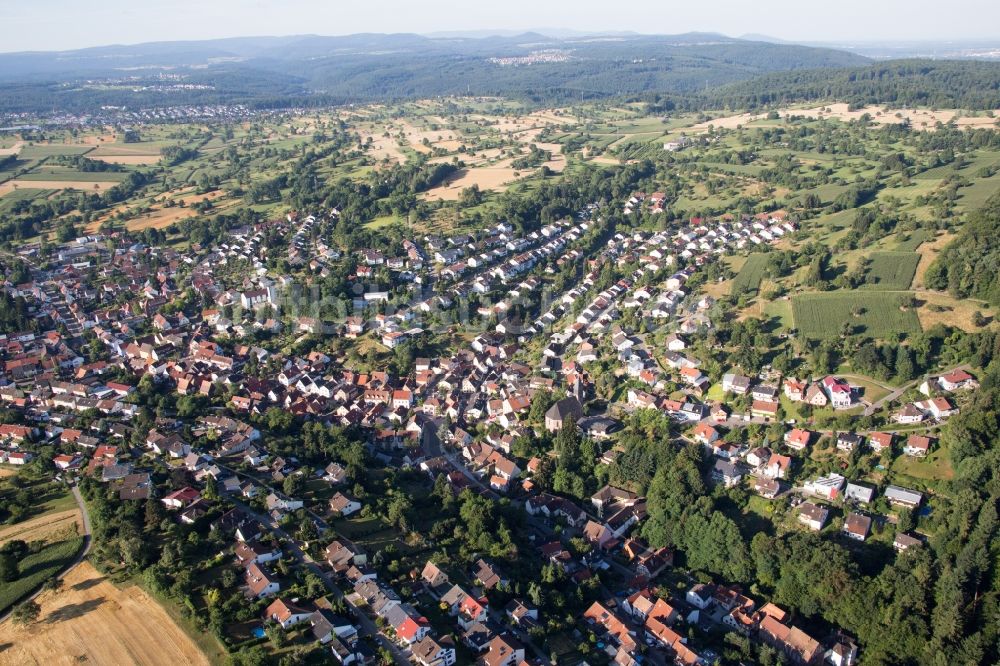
{"points": [[822, 315], [761, 507], [384, 221], [60, 499], [871, 390], [780, 310], [715, 393], [33, 152], [37, 568], [935, 467]]}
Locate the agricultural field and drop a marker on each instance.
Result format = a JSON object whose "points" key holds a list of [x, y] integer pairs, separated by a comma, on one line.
{"points": [[41, 563], [912, 241], [90, 620], [878, 314], [891, 271], [49, 527], [750, 275]]}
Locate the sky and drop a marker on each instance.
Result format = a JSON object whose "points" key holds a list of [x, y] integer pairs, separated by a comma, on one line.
{"points": [[47, 25]]}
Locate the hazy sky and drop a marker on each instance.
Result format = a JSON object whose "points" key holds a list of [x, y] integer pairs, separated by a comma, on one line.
{"points": [[66, 24]]}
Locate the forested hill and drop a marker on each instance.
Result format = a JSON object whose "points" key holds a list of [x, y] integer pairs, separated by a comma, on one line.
{"points": [[970, 265], [313, 70], [692, 71], [941, 83]]}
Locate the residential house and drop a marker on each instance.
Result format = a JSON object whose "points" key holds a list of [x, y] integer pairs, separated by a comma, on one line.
{"points": [[827, 487], [858, 492], [261, 582], [287, 613], [813, 516], [797, 439], [917, 446], [434, 652], [503, 650], [344, 505], [904, 497], [433, 575], [857, 526]]}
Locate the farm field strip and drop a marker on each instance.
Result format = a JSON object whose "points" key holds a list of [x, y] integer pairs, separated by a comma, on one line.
{"points": [[750, 275], [892, 271], [822, 315]]}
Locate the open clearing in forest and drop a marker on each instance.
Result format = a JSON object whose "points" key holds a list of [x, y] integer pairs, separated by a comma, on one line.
{"points": [[91, 621]]}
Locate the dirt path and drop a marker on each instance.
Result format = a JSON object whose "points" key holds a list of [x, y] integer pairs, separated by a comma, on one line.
{"points": [[13, 150]]}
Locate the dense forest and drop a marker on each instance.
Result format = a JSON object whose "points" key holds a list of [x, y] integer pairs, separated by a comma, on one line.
{"points": [[692, 71], [945, 84], [297, 71], [970, 265]]}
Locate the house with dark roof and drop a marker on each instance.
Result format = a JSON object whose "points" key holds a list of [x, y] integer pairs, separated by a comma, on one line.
{"points": [[561, 411]]}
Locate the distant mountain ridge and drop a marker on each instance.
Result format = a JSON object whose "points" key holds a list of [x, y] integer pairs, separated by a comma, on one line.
{"points": [[315, 69]]}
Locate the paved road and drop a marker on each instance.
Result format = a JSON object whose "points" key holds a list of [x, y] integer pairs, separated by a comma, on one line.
{"points": [[368, 627], [79, 558], [434, 448], [872, 408]]}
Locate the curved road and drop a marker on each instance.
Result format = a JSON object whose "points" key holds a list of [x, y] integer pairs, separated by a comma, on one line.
{"points": [[79, 558], [872, 408]]}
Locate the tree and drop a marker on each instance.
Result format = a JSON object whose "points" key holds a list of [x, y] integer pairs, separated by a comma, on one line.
{"points": [[155, 513], [25, 613], [293, 484], [9, 570], [904, 520], [275, 634], [905, 368]]}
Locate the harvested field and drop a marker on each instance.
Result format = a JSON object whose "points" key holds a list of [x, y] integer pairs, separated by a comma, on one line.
{"points": [[495, 177], [161, 217], [941, 308], [92, 186], [43, 528], [127, 159], [822, 315], [91, 621], [384, 147], [924, 119], [13, 150]]}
